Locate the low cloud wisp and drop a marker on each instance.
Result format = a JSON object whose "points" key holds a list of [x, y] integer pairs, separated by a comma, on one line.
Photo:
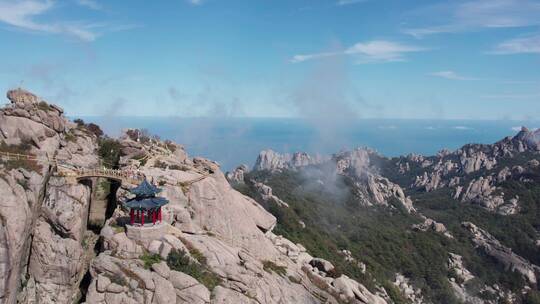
{"points": [[367, 52]]}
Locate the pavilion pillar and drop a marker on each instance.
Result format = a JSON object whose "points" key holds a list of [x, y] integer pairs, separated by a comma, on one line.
{"points": [[131, 217], [153, 216], [142, 218], [159, 214], [138, 215]]}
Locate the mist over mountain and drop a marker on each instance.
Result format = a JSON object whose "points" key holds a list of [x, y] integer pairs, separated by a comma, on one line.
{"points": [[270, 152], [234, 141]]}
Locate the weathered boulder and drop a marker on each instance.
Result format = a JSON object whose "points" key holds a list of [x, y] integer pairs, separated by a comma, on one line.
{"points": [[237, 175]]}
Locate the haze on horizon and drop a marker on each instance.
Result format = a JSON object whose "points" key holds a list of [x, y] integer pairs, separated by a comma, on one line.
{"points": [[328, 61]]}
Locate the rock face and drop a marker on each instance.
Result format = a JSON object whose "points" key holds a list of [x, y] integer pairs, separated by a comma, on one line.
{"points": [[412, 294], [237, 176], [229, 251], [430, 224], [455, 264], [502, 254], [459, 170], [46, 248], [51, 262], [370, 187], [273, 161], [266, 194], [232, 233]]}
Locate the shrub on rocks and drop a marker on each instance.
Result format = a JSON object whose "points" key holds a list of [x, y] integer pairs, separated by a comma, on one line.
{"points": [[150, 259], [180, 261]]}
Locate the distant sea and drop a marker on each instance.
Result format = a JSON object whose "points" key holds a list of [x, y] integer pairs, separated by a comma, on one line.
{"points": [[234, 141]]}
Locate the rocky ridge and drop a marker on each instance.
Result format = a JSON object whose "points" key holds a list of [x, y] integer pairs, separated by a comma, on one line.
{"points": [[502, 254], [47, 249], [458, 170], [371, 188]]}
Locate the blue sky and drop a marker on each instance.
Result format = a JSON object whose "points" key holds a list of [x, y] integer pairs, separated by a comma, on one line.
{"points": [[326, 60]]}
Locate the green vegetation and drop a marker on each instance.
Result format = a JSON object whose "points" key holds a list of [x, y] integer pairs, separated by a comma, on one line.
{"points": [[118, 279], [532, 297], [117, 228], [150, 259], [178, 167], [180, 261], [142, 135], [79, 122], [42, 105], [382, 238], [22, 148], [94, 129], [270, 266], [89, 127], [160, 164], [109, 152], [141, 158], [70, 137]]}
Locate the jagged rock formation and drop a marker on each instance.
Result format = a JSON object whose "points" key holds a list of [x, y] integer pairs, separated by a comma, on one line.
{"points": [[224, 243], [412, 294], [37, 205], [237, 175], [47, 251], [266, 194], [430, 224], [273, 161], [455, 264], [501, 178], [370, 187], [458, 170], [502, 254]]}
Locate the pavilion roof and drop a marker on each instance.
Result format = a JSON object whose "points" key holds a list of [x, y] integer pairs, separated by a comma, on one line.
{"points": [[145, 189], [146, 203]]}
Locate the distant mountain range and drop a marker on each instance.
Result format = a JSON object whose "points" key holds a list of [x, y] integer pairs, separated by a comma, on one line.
{"points": [[460, 226]]}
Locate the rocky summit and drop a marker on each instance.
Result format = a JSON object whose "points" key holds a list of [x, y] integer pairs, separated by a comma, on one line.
{"points": [[66, 237], [354, 227]]}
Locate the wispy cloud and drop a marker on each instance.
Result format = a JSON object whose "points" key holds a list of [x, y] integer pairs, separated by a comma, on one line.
{"points": [[21, 14], [512, 96], [349, 2], [451, 75], [24, 15], [195, 2], [367, 52], [521, 45], [517, 129], [459, 16], [462, 128], [91, 4]]}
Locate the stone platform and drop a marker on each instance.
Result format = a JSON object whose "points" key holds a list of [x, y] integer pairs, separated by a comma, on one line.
{"points": [[147, 232]]}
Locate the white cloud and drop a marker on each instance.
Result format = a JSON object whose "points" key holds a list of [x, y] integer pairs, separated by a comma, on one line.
{"points": [[21, 14], [195, 2], [451, 75], [349, 2], [367, 52], [522, 45], [462, 128], [459, 16]]}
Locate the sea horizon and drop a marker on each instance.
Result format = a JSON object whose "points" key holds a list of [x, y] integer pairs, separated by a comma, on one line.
{"points": [[238, 140]]}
